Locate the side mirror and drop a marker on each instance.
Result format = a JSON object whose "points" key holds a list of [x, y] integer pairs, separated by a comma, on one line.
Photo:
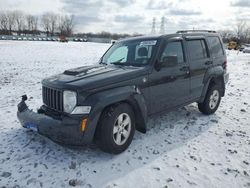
{"points": [[167, 61]]}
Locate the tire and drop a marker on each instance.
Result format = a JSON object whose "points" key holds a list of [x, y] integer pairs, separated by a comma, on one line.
{"points": [[116, 128], [211, 101]]}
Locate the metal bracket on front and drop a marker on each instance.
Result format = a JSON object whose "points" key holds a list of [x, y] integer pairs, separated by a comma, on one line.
{"points": [[22, 105]]}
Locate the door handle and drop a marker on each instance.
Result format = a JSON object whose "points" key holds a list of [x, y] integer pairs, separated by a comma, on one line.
{"points": [[185, 69], [209, 63]]}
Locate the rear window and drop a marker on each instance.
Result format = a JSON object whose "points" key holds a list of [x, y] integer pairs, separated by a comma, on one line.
{"points": [[197, 49], [216, 46]]}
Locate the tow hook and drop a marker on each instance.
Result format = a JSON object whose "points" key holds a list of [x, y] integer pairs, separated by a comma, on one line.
{"points": [[22, 105]]}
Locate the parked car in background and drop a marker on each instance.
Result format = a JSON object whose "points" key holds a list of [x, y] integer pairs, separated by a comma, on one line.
{"points": [[246, 50], [63, 39], [242, 48]]}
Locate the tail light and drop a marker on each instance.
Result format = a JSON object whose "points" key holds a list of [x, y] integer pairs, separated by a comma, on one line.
{"points": [[225, 65]]}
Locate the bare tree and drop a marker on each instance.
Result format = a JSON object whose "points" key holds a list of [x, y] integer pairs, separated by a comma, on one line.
{"points": [[242, 31], [49, 23], [3, 22], [35, 24], [226, 35], [239, 29], [52, 23], [246, 34], [11, 21], [45, 22], [31, 22], [66, 25], [19, 21]]}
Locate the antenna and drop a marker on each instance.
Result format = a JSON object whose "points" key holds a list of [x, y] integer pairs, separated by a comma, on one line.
{"points": [[162, 28], [153, 26]]}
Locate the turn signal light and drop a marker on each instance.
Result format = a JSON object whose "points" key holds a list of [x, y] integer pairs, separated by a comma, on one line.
{"points": [[84, 125]]}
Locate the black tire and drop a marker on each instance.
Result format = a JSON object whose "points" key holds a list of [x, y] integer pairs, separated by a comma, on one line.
{"points": [[105, 136], [205, 106]]}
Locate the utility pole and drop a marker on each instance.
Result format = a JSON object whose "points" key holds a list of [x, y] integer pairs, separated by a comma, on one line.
{"points": [[162, 28], [153, 32]]}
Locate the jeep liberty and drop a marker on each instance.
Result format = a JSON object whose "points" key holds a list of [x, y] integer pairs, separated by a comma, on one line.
{"points": [[136, 78]]}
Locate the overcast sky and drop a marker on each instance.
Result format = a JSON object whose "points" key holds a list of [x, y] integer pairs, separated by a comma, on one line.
{"points": [[130, 16]]}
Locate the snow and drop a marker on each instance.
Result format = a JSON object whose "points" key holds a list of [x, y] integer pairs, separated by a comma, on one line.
{"points": [[182, 148]]}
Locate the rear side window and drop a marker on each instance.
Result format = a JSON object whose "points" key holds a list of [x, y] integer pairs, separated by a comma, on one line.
{"points": [[197, 49], [216, 47]]}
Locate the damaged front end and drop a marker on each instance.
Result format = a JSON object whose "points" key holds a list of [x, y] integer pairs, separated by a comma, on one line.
{"points": [[63, 129]]}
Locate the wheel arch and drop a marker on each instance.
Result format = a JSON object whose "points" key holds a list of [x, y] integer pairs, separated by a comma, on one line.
{"points": [[214, 75], [103, 100]]}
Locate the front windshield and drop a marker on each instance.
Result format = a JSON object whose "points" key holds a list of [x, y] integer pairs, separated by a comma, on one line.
{"points": [[135, 53]]}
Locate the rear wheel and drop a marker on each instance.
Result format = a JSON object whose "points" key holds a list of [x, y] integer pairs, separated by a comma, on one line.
{"points": [[116, 128], [212, 100]]}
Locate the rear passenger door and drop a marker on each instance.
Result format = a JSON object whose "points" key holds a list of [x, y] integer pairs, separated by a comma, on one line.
{"points": [[199, 61]]}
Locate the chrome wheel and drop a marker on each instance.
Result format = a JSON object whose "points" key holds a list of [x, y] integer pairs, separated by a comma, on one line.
{"points": [[214, 99], [122, 129]]}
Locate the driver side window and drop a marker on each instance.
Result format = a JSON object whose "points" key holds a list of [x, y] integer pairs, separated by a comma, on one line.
{"points": [[173, 49], [119, 55]]}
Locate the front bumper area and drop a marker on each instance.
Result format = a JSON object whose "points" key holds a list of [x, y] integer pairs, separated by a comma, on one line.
{"points": [[66, 130]]}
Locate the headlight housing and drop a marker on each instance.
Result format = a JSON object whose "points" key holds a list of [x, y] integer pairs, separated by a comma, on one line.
{"points": [[69, 101]]}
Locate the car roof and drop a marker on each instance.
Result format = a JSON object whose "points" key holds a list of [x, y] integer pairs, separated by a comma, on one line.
{"points": [[157, 37]]}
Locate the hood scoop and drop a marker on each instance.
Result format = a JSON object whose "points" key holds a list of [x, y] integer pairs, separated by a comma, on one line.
{"points": [[87, 71], [76, 71]]}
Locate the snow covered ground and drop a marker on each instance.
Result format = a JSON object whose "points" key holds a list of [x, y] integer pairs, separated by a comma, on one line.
{"points": [[181, 149]]}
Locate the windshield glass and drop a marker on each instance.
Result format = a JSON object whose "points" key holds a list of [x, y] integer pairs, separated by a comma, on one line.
{"points": [[135, 53]]}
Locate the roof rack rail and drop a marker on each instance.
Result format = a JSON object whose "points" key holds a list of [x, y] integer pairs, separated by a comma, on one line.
{"points": [[193, 31]]}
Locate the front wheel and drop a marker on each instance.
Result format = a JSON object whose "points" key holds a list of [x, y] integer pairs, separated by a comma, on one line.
{"points": [[116, 128], [211, 101]]}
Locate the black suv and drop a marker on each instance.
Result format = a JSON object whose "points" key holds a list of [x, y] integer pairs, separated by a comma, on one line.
{"points": [[135, 78]]}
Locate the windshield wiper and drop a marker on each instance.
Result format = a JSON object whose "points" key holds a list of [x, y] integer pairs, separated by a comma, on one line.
{"points": [[118, 61], [104, 63]]}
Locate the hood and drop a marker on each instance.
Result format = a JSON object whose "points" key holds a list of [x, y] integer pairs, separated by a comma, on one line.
{"points": [[91, 77]]}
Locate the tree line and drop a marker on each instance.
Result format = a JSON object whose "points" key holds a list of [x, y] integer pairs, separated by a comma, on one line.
{"points": [[22, 24], [240, 33], [105, 34]]}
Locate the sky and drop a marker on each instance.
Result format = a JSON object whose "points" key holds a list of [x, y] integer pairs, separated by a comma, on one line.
{"points": [[135, 16]]}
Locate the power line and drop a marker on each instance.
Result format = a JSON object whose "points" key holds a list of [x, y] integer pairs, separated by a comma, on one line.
{"points": [[162, 28], [153, 31]]}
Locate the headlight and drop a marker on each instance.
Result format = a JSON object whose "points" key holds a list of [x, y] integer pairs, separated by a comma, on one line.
{"points": [[69, 101]]}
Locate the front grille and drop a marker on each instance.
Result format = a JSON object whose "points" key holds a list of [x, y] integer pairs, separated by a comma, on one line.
{"points": [[53, 98]]}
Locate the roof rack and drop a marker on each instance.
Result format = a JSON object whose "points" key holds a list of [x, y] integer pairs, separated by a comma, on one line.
{"points": [[194, 31]]}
